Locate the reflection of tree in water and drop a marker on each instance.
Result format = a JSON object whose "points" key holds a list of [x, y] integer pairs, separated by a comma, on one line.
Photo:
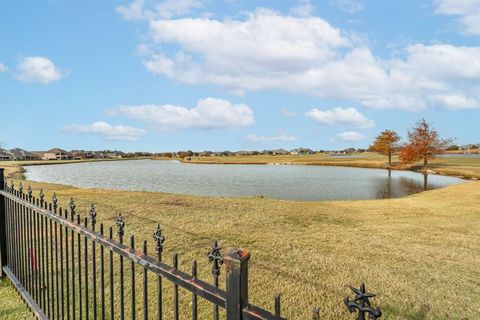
{"points": [[397, 187]]}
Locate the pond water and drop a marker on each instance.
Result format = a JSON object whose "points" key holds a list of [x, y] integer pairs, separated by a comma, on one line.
{"points": [[281, 181], [459, 155]]}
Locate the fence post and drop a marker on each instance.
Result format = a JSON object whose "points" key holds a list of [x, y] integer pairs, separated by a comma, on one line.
{"points": [[236, 264], [3, 227]]}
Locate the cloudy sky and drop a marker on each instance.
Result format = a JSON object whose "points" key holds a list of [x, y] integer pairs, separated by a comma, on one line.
{"points": [[229, 74]]}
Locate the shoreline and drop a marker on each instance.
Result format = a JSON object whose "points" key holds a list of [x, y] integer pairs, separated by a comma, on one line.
{"points": [[344, 162], [23, 177], [17, 170]]}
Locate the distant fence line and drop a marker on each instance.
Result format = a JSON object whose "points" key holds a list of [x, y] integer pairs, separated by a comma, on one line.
{"points": [[52, 260]]}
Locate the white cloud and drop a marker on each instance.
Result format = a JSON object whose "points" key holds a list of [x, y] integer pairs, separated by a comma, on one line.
{"points": [[209, 113], [38, 70], [350, 136], [467, 11], [3, 68], [350, 6], [453, 101], [110, 132], [171, 8], [279, 137], [341, 116], [141, 9], [132, 12], [304, 9], [288, 113], [269, 51]]}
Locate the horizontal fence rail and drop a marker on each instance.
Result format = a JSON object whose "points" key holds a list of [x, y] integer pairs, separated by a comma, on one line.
{"points": [[66, 268]]}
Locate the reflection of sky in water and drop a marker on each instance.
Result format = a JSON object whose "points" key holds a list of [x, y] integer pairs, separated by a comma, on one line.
{"points": [[282, 182], [459, 155]]}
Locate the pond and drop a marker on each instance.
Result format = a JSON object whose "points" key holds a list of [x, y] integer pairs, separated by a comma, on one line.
{"points": [[280, 182]]}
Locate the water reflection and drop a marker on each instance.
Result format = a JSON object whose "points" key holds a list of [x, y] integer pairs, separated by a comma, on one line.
{"points": [[393, 187]]}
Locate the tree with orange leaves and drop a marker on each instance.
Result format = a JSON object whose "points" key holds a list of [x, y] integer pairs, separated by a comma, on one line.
{"points": [[386, 143], [424, 143]]}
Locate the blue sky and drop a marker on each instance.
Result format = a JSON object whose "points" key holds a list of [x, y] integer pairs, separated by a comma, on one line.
{"points": [[189, 74]]}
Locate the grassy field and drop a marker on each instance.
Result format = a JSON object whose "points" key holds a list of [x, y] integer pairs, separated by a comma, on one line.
{"points": [[421, 253], [11, 305]]}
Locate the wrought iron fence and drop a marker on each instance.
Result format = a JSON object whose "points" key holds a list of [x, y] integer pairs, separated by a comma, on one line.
{"points": [[52, 259]]}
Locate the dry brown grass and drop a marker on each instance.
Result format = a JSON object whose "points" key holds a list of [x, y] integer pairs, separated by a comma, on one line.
{"points": [[420, 252]]}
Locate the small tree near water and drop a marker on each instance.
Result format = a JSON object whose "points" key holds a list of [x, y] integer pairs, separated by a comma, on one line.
{"points": [[386, 143], [423, 144]]}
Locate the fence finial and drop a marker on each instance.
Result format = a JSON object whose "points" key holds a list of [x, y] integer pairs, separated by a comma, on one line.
{"points": [[72, 207], [54, 201], [42, 196], [20, 189], [29, 191], [159, 238], [93, 216], [5, 183], [216, 258], [361, 304], [120, 225], [316, 313], [12, 186]]}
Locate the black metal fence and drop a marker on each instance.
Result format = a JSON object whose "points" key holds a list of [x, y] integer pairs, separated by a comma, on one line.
{"points": [[66, 269]]}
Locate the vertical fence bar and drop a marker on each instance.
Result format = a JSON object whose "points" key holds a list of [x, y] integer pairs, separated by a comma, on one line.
{"points": [[3, 226], [52, 282], [236, 264], [102, 276], [15, 232], [27, 273], [67, 269], [159, 239], [85, 256], [79, 267], [5, 244], [194, 296], [37, 262], [62, 283], [93, 220], [112, 302], [216, 258], [132, 280], [72, 248], [26, 265], [20, 241], [120, 226], [145, 286], [10, 241], [57, 285], [44, 289], [31, 251], [277, 305], [47, 281], [18, 263], [175, 289]]}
